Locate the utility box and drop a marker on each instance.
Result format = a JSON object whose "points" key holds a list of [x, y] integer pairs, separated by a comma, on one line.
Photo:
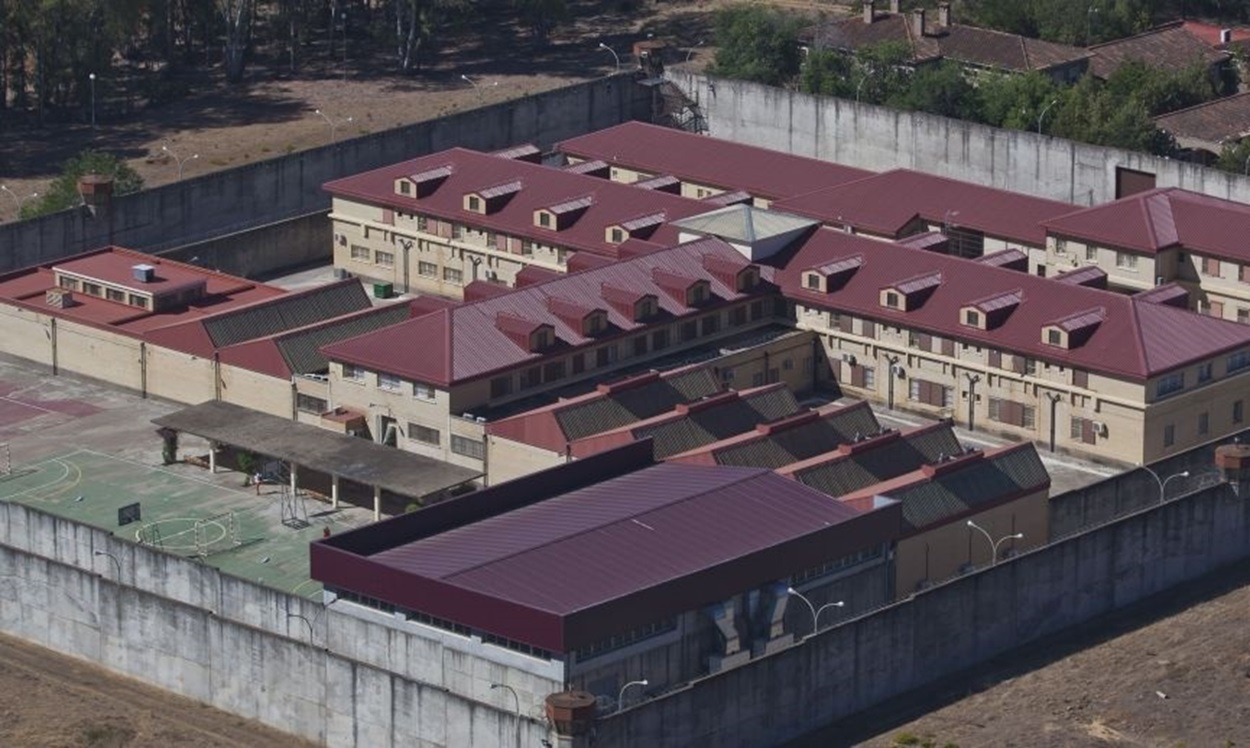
{"points": [[383, 290]]}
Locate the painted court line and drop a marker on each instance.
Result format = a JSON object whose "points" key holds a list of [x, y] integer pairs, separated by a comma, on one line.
{"points": [[27, 405], [159, 469], [60, 460]]}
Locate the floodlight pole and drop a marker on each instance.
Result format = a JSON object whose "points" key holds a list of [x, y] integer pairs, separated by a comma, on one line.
{"points": [[620, 699], [1163, 482], [112, 558], [994, 543], [615, 56]]}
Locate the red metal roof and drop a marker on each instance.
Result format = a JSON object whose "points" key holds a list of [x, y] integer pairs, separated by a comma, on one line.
{"points": [[603, 203], [1161, 219], [463, 343], [887, 204], [710, 161], [1169, 46], [1137, 339]]}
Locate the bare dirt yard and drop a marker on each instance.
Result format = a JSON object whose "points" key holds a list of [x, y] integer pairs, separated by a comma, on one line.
{"points": [[54, 701], [1172, 671]]}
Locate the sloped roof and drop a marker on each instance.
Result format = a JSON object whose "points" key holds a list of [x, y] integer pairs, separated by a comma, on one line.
{"points": [[1136, 340], [888, 203], [789, 440], [611, 405], [604, 203], [1168, 46], [1219, 121], [718, 163], [1161, 219], [745, 223], [857, 466], [970, 45], [462, 343], [969, 484]]}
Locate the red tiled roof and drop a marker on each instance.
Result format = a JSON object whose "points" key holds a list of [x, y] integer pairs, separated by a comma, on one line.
{"points": [[464, 343], [1219, 121], [603, 203], [1210, 34], [1161, 219], [718, 163], [1168, 46], [1136, 340], [888, 203]]}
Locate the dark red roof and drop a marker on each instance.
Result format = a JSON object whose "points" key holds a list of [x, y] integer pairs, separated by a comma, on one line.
{"points": [[718, 163], [1223, 120], [606, 203], [1137, 339], [463, 343], [572, 568], [1169, 46], [1210, 34], [888, 203], [1162, 219]]}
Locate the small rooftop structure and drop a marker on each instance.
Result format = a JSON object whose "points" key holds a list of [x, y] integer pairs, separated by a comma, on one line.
{"points": [[754, 232]]}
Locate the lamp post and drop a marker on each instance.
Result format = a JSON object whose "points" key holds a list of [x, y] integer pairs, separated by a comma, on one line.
{"points": [[19, 199], [692, 50], [1042, 116], [112, 558], [178, 159], [890, 373], [620, 698], [1163, 482], [972, 399], [862, 81], [334, 126], [815, 611], [994, 543], [615, 56], [516, 700], [91, 77], [307, 623], [1246, 171]]}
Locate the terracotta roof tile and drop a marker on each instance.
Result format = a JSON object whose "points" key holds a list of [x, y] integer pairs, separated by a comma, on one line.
{"points": [[1168, 46], [1219, 121]]}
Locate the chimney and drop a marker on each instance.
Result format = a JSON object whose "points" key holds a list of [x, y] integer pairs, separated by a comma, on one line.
{"points": [[1233, 462], [894, 7], [870, 10], [944, 15], [917, 19], [1226, 36]]}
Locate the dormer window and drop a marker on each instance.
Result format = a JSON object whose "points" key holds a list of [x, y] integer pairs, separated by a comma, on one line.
{"points": [[972, 318], [1073, 331], [698, 293], [422, 183], [562, 215], [405, 187], [594, 324], [892, 300], [912, 293], [1054, 337], [545, 219], [748, 279], [646, 308], [541, 339], [474, 204], [991, 311], [616, 235], [813, 281]]}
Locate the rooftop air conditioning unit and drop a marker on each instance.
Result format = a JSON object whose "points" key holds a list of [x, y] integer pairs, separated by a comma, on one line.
{"points": [[1159, 280], [849, 358], [1100, 428], [144, 273]]}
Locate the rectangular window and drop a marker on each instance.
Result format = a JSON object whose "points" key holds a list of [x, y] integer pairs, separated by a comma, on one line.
{"points": [[424, 434], [1091, 253], [360, 253], [353, 373], [1243, 316], [452, 275], [457, 231], [891, 300], [689, 331], [659, 340], [1030, 367], [738, 316], [1126, 260], [1238, 411], [385, 259], [1171, 383], [579, 363], [527, 248], [114, 294], [553, 371], [605, 356], [422, 391], [500, 386], [1238, 361], [423, 223], [711, 324], [640, 345], [428, 269], [1080, 378], [972, 318], [91, 289], [475, 205], [757, 310], [1204, 372], [466, 447], [1054, 337], [1204, 424], [1169, 435], [1211, 266], [931, 393], [531, 377], [813, 281], [310, 404], [389, 382]]}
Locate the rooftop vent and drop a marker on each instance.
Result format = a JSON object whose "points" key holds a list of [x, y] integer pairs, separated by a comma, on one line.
{"points": [[144, 273], [60, 298]]}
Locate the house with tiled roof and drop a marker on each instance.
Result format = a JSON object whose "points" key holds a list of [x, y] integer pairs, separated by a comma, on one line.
{"points": [[719, 172], [1209, 127], [435, 380], [1101, 373], [437, 223], [975, 220], [934, 36], [1169, 46], [1163, 236]]}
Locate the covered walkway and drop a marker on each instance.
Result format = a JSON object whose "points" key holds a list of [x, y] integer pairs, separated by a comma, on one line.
{"points": [[299, 445]]}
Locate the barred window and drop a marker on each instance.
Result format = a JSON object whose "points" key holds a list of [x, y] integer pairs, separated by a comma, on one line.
{"points": [[360, 253], [464, 446], [424, 434], [310, 404]]}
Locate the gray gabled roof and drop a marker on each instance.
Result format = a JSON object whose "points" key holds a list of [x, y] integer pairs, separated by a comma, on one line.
{"points": [[745, 223], [904, 454], [301, 350], [286, 313], [989, 481], [803, 441], [622, 408], [706, 426]]}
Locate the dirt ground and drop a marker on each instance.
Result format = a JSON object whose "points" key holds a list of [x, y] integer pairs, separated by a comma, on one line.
{"points": [[54, 701], [1172, 671]]}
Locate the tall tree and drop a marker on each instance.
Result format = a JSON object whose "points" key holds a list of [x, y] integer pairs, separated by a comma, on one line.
{"points": [[237, 15], [63, 192], [756, 43]]}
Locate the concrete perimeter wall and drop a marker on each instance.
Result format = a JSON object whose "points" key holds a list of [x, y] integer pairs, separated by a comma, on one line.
{"points": [[879, 138], [280, 188], [185, 627], [850, 667]]}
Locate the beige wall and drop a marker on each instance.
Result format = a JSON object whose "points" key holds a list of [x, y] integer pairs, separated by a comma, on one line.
{"points": [[257, 391], [508, 459], [26, 334], [179, 376], [939, 552]]}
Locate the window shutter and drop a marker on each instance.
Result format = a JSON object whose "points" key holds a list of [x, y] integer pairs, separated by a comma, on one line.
{"points": [[996, 359], [1080, 378], [948, 347]]}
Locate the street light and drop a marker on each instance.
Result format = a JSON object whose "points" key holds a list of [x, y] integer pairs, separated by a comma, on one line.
{"points": [[862, 81], [615, 56], [19, 199], [334, 126], [112, 558], [181, 161], [516, 700], [91, 76], [1163, 482], [1042, 116], [693, 49], [620, 698], [1246, 170], [815, 611], [994, 543]]}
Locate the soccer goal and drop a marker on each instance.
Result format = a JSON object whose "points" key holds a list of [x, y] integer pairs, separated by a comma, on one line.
{"points": [[216, 534]]}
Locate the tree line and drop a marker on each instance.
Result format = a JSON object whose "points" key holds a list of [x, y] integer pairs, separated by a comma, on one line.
{"points": [[50, 49], [760, 44]]}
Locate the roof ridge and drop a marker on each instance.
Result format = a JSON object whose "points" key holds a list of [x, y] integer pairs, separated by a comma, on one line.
{"points": [[1143, 361]]}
